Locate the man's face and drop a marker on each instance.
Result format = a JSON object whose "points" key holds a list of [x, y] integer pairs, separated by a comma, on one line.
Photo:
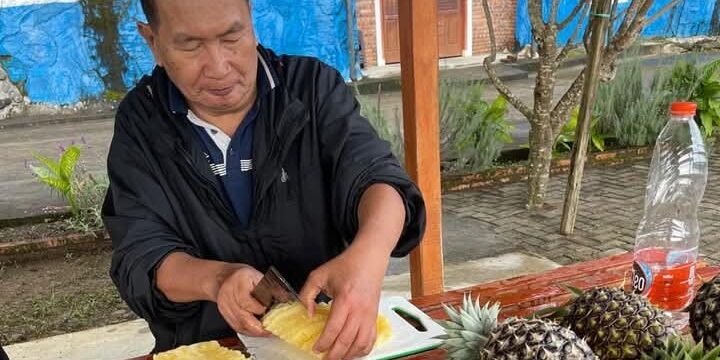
{"points": [[208, 51]]}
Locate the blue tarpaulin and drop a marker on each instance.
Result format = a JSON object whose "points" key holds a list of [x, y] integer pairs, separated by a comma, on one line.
{"points": [[46, 49], [689, 18], [48, 53]]}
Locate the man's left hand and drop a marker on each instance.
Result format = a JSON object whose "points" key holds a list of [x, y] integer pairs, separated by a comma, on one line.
{"points": [[354, 281]]}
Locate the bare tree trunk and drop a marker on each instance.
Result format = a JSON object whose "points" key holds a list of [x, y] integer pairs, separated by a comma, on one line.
{"points": [[542, 139], [548, 114]]}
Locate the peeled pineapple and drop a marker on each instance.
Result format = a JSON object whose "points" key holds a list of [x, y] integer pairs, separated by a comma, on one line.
{"points": [[209, 350], [291, 323]]}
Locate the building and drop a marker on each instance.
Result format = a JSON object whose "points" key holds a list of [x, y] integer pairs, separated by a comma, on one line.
{"points": [[462, 28]]}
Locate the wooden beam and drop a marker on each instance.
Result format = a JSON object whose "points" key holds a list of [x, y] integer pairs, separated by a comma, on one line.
{"points": [[420, 83], [600, 18]]}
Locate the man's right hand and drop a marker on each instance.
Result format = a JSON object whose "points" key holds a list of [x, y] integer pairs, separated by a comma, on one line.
{"points": [[236, 304], [183, 278]]}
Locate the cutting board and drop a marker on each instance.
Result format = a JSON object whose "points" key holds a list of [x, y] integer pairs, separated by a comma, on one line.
{"points": [[406, 339]]}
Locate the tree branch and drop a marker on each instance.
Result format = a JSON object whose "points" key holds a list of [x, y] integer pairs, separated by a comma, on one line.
{"points": [[570, 43], [630, 15], [492, 72], [639, 19], [563, 24], [569, 101], [611, 25], [536, 19], [554, 11], [662, 11]]}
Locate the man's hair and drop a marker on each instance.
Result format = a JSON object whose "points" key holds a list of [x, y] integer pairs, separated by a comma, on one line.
{"points": [[148, 7]]}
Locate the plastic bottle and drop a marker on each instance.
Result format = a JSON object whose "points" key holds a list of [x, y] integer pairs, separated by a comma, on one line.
{"points": [[666, 246]]}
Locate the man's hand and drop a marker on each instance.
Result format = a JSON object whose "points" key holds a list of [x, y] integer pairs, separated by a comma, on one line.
{"points": [[236, 304], [353, 280], [183, 278]]}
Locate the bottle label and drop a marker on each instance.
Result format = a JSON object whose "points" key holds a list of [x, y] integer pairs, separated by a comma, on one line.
{"points": [[642, 278]]}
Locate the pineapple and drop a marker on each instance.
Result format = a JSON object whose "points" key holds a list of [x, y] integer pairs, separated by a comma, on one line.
{"points": [[676, 349], [290, 322], [209, 350], [616, 324], [705, 314], [472, 333], [535, 339]]}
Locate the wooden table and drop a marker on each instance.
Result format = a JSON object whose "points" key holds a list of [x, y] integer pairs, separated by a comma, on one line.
{"points": [[525, 294]]}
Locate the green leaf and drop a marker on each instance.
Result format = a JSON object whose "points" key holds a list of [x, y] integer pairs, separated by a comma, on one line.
{"points": [[62, 186], [711, 69], [41, 172], [708, 122], [598, 141], [68, 161], [575, 291], [51, 165]]}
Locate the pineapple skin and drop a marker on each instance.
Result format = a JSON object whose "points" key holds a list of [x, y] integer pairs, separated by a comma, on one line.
{"points": [[618, 325], [535, 339], [705, 314], [291, 323]]}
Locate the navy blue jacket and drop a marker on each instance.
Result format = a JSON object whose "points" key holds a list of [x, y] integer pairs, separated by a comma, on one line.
{"points": [[314, 156]]}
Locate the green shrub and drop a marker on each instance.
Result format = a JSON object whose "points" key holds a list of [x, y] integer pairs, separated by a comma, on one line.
{"points": [[83, 191], [473, 132]]}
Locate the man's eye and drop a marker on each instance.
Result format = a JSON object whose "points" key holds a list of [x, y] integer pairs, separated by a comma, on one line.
{"points": [[232, 40], [191, 46]]}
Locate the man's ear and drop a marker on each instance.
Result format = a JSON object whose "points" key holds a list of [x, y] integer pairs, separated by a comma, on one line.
{"points": [[147, 32]]}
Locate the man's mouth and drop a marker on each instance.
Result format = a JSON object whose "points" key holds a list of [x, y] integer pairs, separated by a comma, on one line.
{"points": [[221, 91]]}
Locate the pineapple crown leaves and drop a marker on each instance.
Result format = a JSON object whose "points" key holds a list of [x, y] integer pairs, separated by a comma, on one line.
{"points": [[557, 312], [468, 328], [676, 349]]}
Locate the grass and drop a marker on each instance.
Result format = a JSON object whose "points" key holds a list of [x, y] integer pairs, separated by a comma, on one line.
{"points": [[58, 296]]}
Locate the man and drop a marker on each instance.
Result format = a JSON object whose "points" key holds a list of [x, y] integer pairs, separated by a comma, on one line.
{"points": [[230, 159]]}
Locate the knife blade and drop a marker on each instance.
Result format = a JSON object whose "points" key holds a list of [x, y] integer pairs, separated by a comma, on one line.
{"points": [[273, 289]]}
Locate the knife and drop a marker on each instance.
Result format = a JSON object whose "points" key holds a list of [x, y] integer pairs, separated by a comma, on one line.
{"points": [[273, 289]]}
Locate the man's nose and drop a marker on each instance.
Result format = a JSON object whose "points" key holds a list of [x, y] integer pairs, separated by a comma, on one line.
{"points": [[217, 65]]}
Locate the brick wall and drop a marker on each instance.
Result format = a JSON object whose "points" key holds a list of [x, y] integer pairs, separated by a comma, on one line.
{"points": [[503, 17], [366, 23]]}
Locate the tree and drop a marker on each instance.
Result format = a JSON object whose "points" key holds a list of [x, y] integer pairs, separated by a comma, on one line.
{"points": [[547, 116]]}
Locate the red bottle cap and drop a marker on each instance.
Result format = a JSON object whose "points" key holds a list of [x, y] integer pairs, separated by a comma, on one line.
{"points": [[683, 108]]}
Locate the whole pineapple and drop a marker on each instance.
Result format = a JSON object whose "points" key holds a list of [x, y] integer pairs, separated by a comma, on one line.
{"points": [[617, 325], [705, 314], [472, 333], [677, 349], [535, 339]]}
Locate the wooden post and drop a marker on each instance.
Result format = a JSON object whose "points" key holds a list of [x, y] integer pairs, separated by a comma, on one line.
{"points": [[600, 19], [419, 67]]}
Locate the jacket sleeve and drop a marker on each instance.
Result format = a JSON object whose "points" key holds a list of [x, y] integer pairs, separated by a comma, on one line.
{"points": [[136, 214], [357, 158]]}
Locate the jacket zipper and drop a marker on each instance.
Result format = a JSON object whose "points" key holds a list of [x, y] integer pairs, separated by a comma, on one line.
{"points": [[278, 151], [209, 184]]}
